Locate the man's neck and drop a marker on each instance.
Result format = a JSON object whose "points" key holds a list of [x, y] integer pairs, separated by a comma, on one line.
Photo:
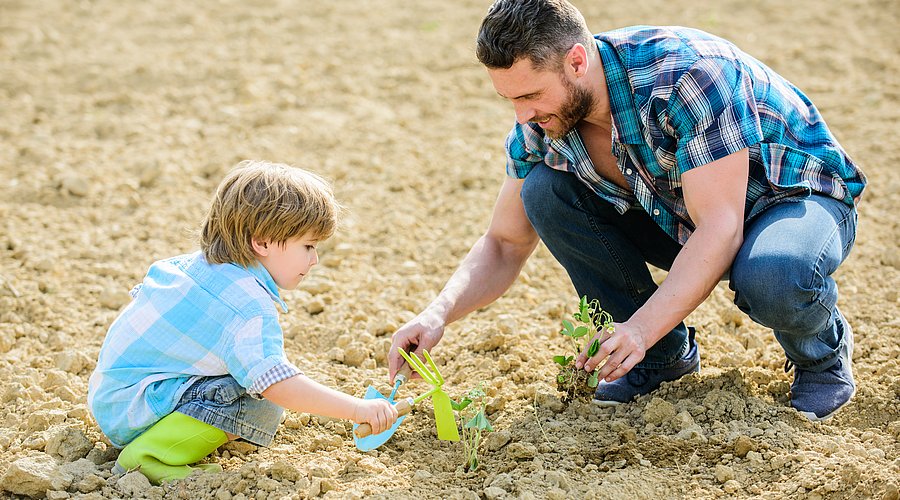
{"points": [[601, 115]]}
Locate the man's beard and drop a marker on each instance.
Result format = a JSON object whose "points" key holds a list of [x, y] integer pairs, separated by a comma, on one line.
{"points": [[578, 105]]}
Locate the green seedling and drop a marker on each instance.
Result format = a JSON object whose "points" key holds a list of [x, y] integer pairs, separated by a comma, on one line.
{"points": [[474, 421], [590, 319]]}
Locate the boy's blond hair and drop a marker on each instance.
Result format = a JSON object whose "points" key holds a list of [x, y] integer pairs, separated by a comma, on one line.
{"points": [[266, 201]]}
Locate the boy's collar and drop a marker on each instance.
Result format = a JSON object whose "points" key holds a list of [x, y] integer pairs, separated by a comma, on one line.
{"points": [[265, 279]]}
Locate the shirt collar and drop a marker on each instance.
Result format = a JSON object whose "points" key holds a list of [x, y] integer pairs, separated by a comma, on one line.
{"points": [[265, 279], [625, 121]]}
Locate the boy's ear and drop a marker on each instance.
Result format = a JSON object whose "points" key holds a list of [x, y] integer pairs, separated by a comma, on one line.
{"points": [[260, 247]]}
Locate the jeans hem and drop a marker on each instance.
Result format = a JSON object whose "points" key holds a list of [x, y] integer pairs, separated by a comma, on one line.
{"points": [[221, 402], [825, 362], [227, 423]]}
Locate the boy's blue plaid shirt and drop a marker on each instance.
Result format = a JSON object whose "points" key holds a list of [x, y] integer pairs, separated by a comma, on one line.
{"points": [[188, 319], [680, 99]]}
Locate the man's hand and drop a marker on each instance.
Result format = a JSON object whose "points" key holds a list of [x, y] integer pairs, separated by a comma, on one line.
{"points": [[487, 272], [423, 332], [623, 349], [378, 413]]}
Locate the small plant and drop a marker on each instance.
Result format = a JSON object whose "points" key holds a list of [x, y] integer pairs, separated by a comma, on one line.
{"points": [[473, 421], [589, 320]]}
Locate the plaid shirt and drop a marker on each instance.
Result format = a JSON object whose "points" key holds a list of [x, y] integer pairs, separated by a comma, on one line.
{"points": [[189, 319], [681, 98]]}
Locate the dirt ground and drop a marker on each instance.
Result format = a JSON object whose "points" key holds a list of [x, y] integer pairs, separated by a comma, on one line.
{"points": [[119, 118]]}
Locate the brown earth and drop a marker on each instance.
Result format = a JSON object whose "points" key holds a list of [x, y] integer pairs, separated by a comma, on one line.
{"points": [[119, 118]]}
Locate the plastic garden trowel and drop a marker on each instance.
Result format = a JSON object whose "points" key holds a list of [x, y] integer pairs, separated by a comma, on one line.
{"points": [[443, 409], [362, 435]]}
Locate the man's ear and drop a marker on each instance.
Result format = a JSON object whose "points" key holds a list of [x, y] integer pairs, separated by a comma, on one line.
{"points": [[577, 60], [260, 247]]}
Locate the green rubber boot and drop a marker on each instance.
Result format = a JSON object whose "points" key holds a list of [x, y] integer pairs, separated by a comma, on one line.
{"points": [[164, 451]]}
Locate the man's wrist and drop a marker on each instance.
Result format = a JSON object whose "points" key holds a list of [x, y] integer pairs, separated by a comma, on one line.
{"points": [[438, 313], [641, 330]]}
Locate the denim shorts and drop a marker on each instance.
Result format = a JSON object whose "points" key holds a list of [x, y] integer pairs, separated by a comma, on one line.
{"points": [[222, 403]]}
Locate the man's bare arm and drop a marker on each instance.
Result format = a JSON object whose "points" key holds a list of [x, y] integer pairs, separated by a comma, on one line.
{"points": [[494, 261], [715, 195], [488, 270]]}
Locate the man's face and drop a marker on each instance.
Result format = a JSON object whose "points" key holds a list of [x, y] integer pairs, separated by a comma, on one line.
{"points": [[546, 97]]}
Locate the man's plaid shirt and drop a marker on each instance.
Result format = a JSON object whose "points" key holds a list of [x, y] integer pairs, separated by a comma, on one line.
{"points": [[681, 98]]}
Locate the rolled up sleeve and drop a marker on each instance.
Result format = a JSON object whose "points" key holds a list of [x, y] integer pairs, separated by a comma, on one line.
{"points": [[257, 359]]}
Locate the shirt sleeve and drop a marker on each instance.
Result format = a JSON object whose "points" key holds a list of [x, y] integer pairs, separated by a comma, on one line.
{"points": [[713, 111], [257, 359], [519, 156], [276, 374]]}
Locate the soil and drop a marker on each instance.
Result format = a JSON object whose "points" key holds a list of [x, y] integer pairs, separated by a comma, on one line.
{"points": [[120, 118], [573, 384]]}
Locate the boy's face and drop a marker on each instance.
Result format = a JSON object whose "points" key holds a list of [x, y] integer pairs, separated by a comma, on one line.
{"points": [[287, 263]]}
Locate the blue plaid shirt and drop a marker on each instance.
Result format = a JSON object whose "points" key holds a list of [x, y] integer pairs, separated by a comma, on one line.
{"points": [[681, 98], [188, 319]]}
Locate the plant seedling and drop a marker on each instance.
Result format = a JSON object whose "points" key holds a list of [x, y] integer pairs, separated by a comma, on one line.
{"points": [[470, 411], [590, 319]]}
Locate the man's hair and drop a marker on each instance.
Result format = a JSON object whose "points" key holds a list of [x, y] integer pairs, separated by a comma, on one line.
{"points": [[540, 30], [266, 201]]}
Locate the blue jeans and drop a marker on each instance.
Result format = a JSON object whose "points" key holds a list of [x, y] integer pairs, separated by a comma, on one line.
{"points": [[222, 403], [781, 275]]}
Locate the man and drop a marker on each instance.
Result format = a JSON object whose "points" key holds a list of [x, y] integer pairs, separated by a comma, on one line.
{"points": [[672, 147]]}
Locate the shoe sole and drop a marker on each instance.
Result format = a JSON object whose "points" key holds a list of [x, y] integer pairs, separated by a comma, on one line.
{"points": [[606, 404]]}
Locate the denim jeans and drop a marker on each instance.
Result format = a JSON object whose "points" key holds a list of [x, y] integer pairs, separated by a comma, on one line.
{"points": [[781, 275], [222, 403]]}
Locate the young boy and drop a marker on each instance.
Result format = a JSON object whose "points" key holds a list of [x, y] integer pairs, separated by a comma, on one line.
{"points": [[197, 358]]}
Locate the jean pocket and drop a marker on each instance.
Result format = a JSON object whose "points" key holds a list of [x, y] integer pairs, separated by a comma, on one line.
{"points": [[222, 391]]}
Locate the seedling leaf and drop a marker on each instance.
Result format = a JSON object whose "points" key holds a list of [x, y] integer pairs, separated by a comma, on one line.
{"points": [[595, 346], [461, 405], [479, 421], [581, 331], [593, 380]]}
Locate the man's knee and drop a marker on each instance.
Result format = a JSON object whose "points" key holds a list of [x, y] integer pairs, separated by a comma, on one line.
{"points": [[784, 294], [548, 195], [535, 185]]}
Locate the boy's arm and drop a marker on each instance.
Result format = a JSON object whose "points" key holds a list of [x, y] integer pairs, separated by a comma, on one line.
{"points": [[302, 394]]}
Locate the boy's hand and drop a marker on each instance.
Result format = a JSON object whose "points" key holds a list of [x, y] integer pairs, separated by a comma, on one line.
{"points": [[378, 413]]}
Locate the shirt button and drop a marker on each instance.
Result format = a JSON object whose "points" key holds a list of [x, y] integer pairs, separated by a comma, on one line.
{"points": [[627, 171], [655, 211]]}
